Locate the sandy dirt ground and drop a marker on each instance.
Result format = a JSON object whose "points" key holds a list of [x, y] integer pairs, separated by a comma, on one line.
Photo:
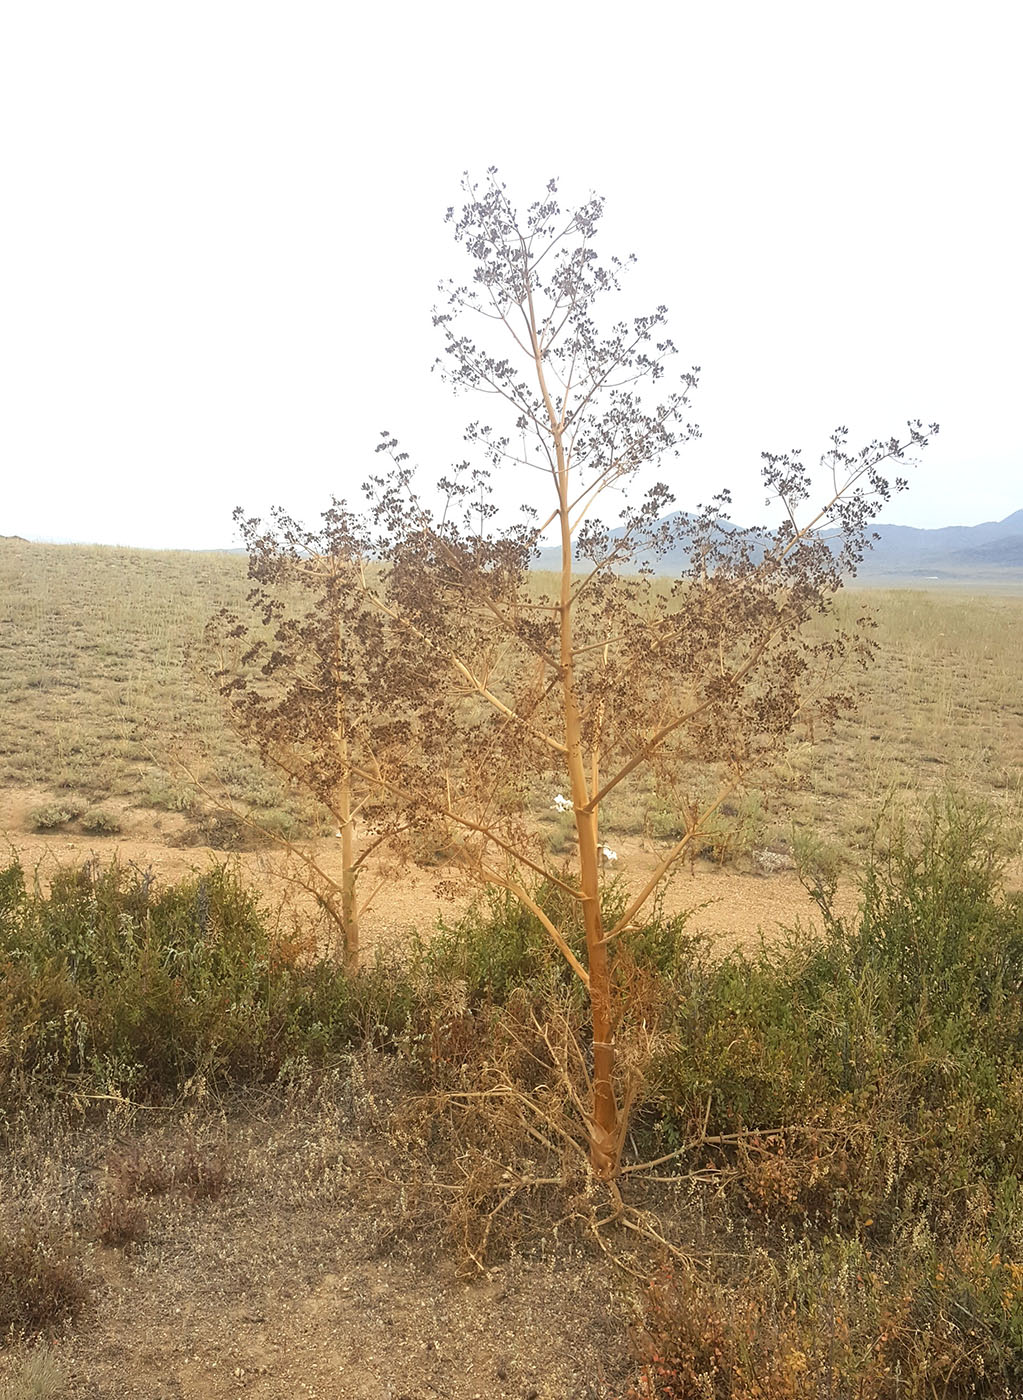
{"points": [[304, 1280], [731, 908]]}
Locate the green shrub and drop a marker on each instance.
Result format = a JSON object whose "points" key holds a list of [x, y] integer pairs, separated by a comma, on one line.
{"points": [[737, 829], [277, 821], [890, 1047], [100, 822], [498, 946], [138, 988], [158, 792], [665, 823], [56, 814]]}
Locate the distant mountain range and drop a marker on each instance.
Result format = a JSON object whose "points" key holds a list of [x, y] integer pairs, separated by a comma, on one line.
{"points": [[954, 552], [991, 552]]}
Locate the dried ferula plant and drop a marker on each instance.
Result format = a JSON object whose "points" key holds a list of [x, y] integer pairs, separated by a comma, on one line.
{"points": [[407, 666]]}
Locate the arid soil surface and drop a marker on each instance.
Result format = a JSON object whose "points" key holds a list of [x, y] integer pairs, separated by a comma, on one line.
{"points": [[731, 907], [307, 1278]]}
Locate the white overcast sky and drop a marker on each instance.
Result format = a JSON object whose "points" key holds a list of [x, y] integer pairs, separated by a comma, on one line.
{"points": [[222, 229]]}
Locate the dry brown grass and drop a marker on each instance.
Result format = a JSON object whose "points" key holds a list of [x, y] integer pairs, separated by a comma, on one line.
{"points": [[41, 1279], [96, 693], [943, 706]]}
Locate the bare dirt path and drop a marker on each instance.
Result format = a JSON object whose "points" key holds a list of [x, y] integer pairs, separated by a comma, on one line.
{"points": [[731, 908]]}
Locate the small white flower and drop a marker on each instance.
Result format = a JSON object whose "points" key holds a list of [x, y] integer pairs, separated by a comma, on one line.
{"points": [[562, 804], [608, 854]]}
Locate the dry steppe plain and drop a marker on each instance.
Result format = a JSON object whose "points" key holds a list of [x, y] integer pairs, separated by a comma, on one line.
{"points": [[104, 715]]}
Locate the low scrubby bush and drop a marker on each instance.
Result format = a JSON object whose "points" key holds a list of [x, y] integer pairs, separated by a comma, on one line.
{"points": [[99, 822], [883, 1057], [54, 815], [838, 1322], [852, 1097], [113, 979], [43, 1281], [856, 1097]]}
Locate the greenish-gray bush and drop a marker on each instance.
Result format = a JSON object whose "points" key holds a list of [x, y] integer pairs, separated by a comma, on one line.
{"points": [[54, 815], [100, 822]]}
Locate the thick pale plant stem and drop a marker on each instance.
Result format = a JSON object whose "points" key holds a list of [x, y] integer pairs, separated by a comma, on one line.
{"points": [[349, 902], [603, 1126], [604, 1121]]}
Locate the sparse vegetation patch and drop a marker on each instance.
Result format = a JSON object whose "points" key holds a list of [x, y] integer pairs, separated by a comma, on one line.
{"points": [[43, 1279]]}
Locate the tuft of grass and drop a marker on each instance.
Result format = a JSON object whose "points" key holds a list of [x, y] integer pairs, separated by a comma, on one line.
{"points": [[120, 1221], [37, 1378]]}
